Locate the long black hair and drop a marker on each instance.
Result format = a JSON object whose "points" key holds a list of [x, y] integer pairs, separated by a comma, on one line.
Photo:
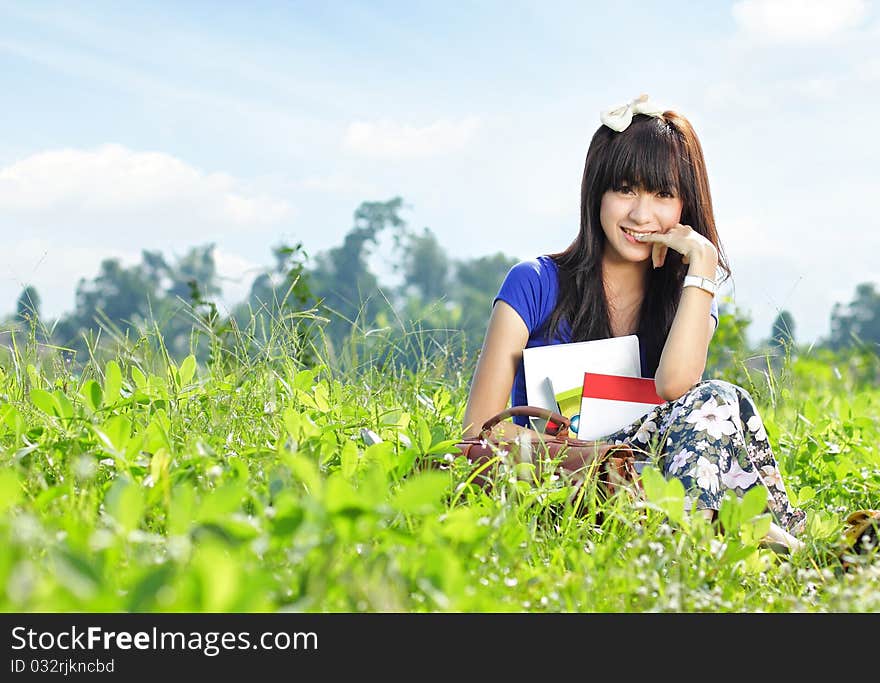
{"points": [[654, 154]]}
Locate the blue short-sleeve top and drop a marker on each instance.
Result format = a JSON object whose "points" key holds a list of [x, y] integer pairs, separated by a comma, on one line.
{"points": [[531, 289]]}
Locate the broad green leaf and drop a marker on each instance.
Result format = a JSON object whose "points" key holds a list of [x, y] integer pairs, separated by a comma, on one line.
{"points": [[143, 596], [125, 503], [424, 436], [187, 370], [737, 551], [10, 489], [349, 459], [405, 461], [373, 486], [654, 485], [64, 406], [10, 416], [730, 514], [305, 471], [156, 435], [288, 516], [112, 382], [115, 433], [299, 425], [341, 497], [666, 495], [754, 502], [461, 525], [221, 578], [44, 401], [92, 394], [159, 464], [422, 494], [674, 504], [381, 454], [806, 494], [445, 446], [304, 379], [756, 528], [321, 396], [181, 513], [47, 496], [221, 502], [138, 377], [76, 572]]}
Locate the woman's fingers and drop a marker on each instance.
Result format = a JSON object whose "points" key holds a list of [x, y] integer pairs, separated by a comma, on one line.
{"points": [[658, 254], [674, 238]]}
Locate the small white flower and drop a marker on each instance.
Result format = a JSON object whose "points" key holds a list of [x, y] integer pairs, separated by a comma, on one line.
{"points": [[712, 418], [757, 427], [701, 446], [772, 477], [706, 474], [680, 460], [737, 477]]}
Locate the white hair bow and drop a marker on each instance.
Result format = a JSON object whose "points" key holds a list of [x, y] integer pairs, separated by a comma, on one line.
{"points": [[620, 117]]}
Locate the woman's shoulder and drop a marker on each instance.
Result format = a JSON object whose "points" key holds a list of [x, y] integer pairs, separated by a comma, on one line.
{"points": [[541, 267], [531, 288]]}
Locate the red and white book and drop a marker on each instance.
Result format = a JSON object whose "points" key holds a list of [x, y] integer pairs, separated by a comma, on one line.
{"points": [[609, 402]]}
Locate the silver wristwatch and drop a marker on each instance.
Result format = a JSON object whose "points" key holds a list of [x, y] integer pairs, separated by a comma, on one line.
{"points": [[702, 282]]}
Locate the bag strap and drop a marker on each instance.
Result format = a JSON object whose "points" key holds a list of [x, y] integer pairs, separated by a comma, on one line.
{"points": [[529, 411]]}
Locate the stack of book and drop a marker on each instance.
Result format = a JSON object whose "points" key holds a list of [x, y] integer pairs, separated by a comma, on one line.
{"points": [[595, 384]]}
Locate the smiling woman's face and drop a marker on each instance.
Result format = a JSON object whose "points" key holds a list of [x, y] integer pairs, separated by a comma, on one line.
{"points": [[629, 209]]}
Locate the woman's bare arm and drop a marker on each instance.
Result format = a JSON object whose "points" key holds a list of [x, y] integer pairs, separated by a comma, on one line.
{"points": [[683, 358], [506, 337]]}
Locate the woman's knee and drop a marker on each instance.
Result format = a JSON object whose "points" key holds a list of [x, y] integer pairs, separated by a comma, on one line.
{"points": [[719, 389]]}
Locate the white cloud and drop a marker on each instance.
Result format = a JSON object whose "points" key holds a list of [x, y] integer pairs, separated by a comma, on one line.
{"points": [[728, 95], [340, 184], [66, 210], [236, 275], [386, 139], [112, 180], [787, 21], [867, 70]]}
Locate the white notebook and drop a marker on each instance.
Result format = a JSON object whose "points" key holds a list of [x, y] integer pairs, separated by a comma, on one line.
{"points": [[559, 367]]}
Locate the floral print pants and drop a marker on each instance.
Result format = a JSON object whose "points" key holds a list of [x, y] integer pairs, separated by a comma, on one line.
{"points": [[713, 440]]}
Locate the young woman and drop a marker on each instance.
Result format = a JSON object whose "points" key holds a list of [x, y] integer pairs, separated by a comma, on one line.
{"points": [[644, 262]]}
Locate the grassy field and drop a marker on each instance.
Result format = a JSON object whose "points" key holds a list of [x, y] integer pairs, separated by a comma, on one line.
{"points": [[138, 484]]}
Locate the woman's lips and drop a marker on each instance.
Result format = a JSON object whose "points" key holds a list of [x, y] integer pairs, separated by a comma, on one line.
{"points": [[629, 232]]}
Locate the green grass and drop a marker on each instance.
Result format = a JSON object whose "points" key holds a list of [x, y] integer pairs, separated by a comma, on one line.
{"points": [[244, 484]]}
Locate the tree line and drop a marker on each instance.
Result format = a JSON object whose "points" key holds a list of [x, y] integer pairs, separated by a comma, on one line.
{"points": [[440, 301]]}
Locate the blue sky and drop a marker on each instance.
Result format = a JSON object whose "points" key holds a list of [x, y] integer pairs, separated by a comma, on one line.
{"points": [[130, 126]]}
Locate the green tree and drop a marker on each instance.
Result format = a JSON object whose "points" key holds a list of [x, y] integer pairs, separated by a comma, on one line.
{"points": [[126, 300], [474, 288], [782, 331], [859, 320], [27, 307], [342, 280], [425, 267]]}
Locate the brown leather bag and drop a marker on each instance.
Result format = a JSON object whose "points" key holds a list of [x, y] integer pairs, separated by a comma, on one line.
{"points": [[615, 465]]}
